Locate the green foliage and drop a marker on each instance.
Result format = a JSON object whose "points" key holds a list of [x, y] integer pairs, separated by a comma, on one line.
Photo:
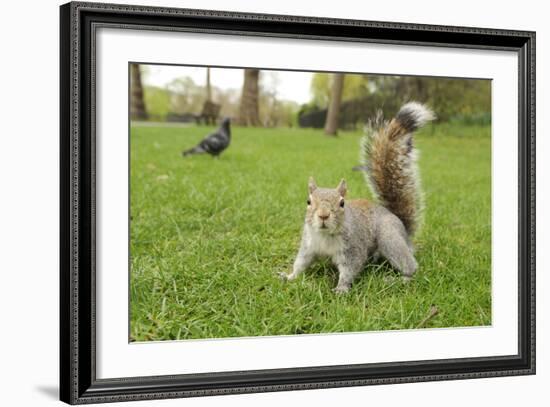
{"points": [[277, 113], [355, 86], [466, 100], [320, 89], [157, 102], [208, 236], [458, 100], [481, 119], [186, 96], [308, 108], [449, 98]]}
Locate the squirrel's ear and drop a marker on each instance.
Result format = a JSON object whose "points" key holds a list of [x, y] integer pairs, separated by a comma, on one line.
{"points": [[312, 186], [342, 187]]}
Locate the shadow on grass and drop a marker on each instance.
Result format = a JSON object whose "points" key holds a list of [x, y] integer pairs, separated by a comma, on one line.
{"points": [[379, 268]]}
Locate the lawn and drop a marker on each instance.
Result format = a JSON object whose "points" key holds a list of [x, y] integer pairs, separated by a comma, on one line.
{"points": [[209, 236]]}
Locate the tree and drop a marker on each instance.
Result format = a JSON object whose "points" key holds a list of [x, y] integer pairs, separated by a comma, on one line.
{"points": [[249, 109], [355, 87], [449, 97], [208, 86], [137, 104], [331, 125]]}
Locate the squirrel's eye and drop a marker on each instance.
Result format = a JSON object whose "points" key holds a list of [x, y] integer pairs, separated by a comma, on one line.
{"points": [[309, 201], [342, 203]]}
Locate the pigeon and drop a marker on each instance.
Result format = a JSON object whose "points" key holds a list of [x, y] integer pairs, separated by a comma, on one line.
{"points": [[214, 143]]}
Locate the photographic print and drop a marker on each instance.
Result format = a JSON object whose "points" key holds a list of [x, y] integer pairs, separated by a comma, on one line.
{"points": [[255, 202], [268, 202]]}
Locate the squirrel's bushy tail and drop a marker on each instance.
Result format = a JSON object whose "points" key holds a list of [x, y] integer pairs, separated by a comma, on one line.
{"points": [[389, 158]]}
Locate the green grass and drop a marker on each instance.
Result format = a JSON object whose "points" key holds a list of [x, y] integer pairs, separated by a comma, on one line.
{"points": [[208, 236]]}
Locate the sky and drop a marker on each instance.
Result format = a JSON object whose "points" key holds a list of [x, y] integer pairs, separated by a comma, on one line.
{"points": [[294, 86]]}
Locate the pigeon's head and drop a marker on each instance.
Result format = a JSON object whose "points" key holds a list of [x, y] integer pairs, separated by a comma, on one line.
{"points": [[226, 121], [325, 207]]}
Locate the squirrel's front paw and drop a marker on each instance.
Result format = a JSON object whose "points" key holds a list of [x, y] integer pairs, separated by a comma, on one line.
{"points": [[286, 277], [341, 289]]}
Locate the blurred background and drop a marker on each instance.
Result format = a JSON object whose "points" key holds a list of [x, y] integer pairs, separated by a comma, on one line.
{"points": [[269, 98]]}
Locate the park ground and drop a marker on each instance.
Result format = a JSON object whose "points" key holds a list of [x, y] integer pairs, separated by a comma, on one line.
{"points": [[208, 236]]}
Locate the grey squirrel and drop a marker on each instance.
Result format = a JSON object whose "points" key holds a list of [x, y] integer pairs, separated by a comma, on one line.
{"points": [[349, 232]]}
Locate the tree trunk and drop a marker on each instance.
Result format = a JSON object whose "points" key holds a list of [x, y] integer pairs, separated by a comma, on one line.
{"points": [[137, 103], [208, 87], [249, 110], [331, 124]]}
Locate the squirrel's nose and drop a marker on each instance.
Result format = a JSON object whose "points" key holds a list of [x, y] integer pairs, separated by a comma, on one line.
{"points": [[323, 216]]}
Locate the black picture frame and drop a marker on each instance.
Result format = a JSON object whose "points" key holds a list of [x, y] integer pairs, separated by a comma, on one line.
{"points": [[78, 382]]}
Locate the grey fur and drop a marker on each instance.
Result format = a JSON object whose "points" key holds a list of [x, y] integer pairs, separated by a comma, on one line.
{"points": [[372, 232], [350, 232]]}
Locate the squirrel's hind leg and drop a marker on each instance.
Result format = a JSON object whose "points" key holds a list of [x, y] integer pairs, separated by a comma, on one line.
{"points": [[394, 246]]}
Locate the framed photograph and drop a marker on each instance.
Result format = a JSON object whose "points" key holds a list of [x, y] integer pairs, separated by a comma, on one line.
{"points": [[254, 203]]}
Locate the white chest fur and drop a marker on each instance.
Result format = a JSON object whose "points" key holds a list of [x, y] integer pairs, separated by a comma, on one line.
{"points": [[324, 244]]}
